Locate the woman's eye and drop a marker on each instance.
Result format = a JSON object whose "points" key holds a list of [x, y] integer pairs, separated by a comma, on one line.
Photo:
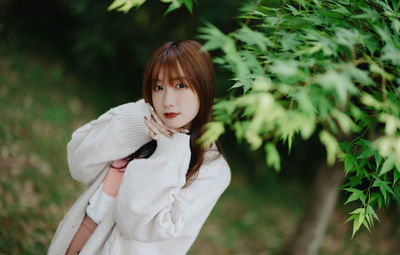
{"points": [[181, 86], [157, 87]]}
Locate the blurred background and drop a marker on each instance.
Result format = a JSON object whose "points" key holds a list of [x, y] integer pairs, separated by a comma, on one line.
{"points": [[63, 63]]}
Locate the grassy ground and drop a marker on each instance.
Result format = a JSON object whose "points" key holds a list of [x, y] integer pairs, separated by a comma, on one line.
{"points": [[38, 111], [40, 106]]}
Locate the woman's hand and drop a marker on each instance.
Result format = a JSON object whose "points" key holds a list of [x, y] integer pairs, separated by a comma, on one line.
{"points": [[156, 126]]}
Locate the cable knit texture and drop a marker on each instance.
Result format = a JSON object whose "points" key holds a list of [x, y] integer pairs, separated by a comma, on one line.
{"points": [[151, 214]]}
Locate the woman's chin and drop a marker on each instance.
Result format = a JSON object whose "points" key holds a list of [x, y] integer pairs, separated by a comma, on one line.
{"points": [[173, 125]]}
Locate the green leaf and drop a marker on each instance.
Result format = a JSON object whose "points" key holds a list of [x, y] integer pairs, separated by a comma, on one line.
{"points": [[293, 10], [346, 146], [240, 128], [391, 54], [338, 82], [285, 67], [366, 149], [371, 43], [348, 37], [262, 83], [253, 139], [396, 177], [359, 75], [125, 5], [371, 101], [370, 211], [331, 145], [366, 223], [387, 165], [215, 39], [272, 156], [349, 163], [383, 187], [383, 33], [175, 4], [366, 153], [395, 4], [356, 194], [352, 217], [377, 198], [305, 103], [378, 159], [290, 42], [252, 63], [251, 37], [341, 10], [395, 25], [358, 219], [345, 122], [369, 14], [392, 123], [189, 5], [373, 67], [213, 130]]}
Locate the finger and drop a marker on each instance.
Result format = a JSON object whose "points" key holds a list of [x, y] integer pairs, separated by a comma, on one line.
{"points": [[183, 130], [155, 116], [153, 135], [161, 127], [173, 130], [160, 123], [153, 131]]}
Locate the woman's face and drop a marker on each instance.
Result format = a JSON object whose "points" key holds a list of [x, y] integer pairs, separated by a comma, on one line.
{"points": [[176, 103]]}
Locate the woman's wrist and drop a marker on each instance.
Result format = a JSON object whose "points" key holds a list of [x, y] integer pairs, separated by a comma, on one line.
{"points": [[173, 148]]}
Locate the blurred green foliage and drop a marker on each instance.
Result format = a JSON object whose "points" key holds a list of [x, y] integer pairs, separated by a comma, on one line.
{"points": [[107, 47], [126, 5]]}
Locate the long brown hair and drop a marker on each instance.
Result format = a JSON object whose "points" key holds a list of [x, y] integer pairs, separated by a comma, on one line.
{"points": [[197, 65]]}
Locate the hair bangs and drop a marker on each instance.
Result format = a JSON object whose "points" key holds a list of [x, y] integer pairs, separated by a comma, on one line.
{"points": [[172, 69]]}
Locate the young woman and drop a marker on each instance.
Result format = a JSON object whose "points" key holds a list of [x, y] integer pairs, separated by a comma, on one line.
{"points": [[150, 185]]}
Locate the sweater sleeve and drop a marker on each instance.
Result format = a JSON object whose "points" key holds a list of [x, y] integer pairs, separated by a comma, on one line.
{"points": [[114, 135], [151, 204]]}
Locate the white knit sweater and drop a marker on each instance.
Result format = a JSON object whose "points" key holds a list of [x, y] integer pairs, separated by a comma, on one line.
{"points": [[152, 214]]}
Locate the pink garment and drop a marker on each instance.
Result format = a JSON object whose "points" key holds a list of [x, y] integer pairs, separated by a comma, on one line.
{"points": [[113, 179], [120, 163]]}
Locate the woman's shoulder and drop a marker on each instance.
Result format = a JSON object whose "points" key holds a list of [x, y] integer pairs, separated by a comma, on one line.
{"points": [[138, 105], [134, 110]]}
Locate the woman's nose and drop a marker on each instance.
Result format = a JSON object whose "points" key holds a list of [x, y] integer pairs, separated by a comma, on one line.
{"points": [[169, 97]]}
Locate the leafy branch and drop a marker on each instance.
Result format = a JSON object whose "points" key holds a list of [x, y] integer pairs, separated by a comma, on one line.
{"points": [[331, 64]]}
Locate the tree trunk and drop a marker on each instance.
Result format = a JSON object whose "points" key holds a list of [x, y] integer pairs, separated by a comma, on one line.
{"points": [[311, 230]]}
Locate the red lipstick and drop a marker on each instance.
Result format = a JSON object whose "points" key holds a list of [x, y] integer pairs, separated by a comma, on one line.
{"points": [[170, 115]]}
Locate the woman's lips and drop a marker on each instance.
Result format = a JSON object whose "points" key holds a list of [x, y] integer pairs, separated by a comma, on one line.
{"points": [[170, 115]]}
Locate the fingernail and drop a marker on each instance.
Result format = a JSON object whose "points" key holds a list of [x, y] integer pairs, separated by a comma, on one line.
{"points": [[156, 137], [186, 131]]}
